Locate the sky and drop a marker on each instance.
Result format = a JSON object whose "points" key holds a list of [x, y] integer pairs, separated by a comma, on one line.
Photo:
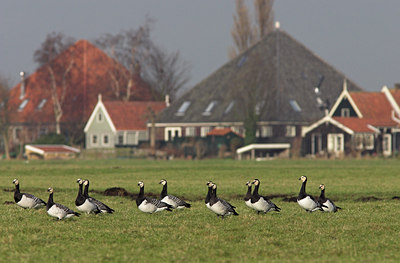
{"points": [[360, 38]]}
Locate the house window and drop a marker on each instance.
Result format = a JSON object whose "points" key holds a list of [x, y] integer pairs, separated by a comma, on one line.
{"points": [[266, 131], [290, 131], [105, 139], [172, 132], [295, 106], [94, 139], [335, 142], [190, 131], [359, 138], [345, 112], [204, 131], [387, 144], [369, 141], [209, 108], [120, 139], [41, 104], [23, 104], [181, 111], [229, 108], [100, 117], [42, 131]]}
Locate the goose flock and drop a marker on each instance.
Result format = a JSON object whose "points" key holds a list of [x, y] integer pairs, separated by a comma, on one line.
{"points": [[221, 207]]}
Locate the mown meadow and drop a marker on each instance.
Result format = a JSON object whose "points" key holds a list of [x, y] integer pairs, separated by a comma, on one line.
{"points": [[365, 230]]}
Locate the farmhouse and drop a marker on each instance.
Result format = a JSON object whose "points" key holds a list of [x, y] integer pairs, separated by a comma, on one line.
{"points": [[278, 84], [358, 123], [120, 123], [67, 87]]}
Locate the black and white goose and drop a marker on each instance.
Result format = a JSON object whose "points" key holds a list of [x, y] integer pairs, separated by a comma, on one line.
{"points": [[172, 200], [328, 204], [306, 201], [261, 203], [58, 210], [26, 200], [100, 206], [208, 196], [150, 205], [247, 197], [83, 204], [219, 206]]}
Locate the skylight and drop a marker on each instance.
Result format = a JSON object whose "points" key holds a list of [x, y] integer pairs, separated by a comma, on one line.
{"points": [[229, 108], [23, 104], [181, 111], [41, 104], [295, 105], [209, 108]]}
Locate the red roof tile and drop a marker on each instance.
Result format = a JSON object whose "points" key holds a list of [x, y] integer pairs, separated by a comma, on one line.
{"points": [[89, 76], [220, 132], [356, 124], [132, 115]]}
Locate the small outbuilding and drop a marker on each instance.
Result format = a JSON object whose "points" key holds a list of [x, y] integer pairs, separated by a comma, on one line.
{"points": [[50, 152]]}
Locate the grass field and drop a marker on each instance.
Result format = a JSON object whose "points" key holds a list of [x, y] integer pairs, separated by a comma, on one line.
{"points": [[366, 230]]}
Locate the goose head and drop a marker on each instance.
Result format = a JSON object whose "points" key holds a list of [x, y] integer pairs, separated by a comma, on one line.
{"points": [[256, 182], [15, 181], [303, 178], [214, 186], [50, 190], [322, 186], [79, 180], [209, 184], [140, 184], [248, 183], [163, 182], [85, 182]]}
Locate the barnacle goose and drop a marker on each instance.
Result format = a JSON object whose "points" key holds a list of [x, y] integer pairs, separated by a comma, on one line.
{"points": [[305, 200], [58, 210], [261, 203], [171, 199], [26, 200], [82, 203], [247, 198], [219, 206], [328, 204], [100, 207], [150, 205], [208, 196]]}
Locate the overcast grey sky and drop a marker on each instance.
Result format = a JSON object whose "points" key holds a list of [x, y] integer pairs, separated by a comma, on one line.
{"points": [[360, 38]]}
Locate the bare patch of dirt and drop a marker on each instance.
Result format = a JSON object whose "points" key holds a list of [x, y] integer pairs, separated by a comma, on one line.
{"points": [[8, 202], [368, 199]]}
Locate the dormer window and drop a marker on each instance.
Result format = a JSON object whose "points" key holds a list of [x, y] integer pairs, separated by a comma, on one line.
{"points": [[181, 111], [209, 108], [23, 104], [345, 112], [41, 104]]}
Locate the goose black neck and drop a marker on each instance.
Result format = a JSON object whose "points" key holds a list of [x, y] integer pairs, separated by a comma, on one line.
{"points": [[208, 195], [255, 192], [86, 193], [248, 191], [164, 192], [17, 188], [141, 192], [80, 190], [50, 202], [303, 187], [322, 196], [140, 197]]}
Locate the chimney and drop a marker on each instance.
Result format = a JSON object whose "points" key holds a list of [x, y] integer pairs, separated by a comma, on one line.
{"points": [[397, 86], [167, 102], [22, 90], [277, 25]]}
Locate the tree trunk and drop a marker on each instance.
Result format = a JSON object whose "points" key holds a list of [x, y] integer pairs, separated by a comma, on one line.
{"points": [[6, 147]]}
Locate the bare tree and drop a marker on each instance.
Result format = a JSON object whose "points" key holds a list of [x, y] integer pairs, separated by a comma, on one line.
{"points": [[4, 114], [128, 48], [165, 72], [242, 32], [264, 17], [54, 44]]}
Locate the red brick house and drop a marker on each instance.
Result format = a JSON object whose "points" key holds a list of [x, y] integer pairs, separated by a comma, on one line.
{"points": [[31, 104]]}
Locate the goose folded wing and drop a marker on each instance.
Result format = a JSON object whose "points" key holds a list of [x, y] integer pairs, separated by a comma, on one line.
{"points": [[37, 200], [178, 201], [100, 205], [64, 208]]}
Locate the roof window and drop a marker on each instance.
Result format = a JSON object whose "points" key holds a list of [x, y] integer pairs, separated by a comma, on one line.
{"points": [[181, 111], [209, 108], [241, 61], [23, 104], [229, 108], [41, 104], [295, 105]]}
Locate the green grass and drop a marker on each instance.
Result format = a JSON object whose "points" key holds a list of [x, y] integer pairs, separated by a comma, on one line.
{"points": [[362, 231]]}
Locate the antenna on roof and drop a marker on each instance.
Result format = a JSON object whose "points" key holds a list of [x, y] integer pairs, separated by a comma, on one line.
{"points": [[99, 97], [22, 93]]}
